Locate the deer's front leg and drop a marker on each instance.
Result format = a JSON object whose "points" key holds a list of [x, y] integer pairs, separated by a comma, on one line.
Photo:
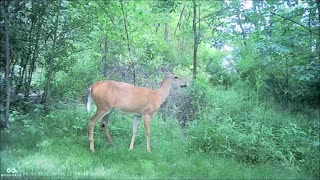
{"points": [[147, 119], [135, 124]]}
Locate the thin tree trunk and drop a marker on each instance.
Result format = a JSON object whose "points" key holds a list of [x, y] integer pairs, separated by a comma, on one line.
{"points": [[105, 56], [240, 24], [34, 59], [184, 44], [199, 21], [318, 40], [7, 76], [318, 5], [32, 51], [24, 62], [195, 35], [180, 19], [32, 68], [287, 84], [125, 22], [51, 62], [157, 25], [166, 31]]}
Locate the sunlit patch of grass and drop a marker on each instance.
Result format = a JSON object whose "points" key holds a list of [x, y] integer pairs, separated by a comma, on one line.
{"points": [[38, 162]]}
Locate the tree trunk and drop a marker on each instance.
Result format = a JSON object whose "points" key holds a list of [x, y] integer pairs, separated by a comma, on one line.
{"points": [[318, 6], [166, 32], [24, 61], [240, 25], [33, 59], [7, 71], [287, 83], [157, 25], [51, 62], [105, 56], [195, 35], [125, 22], [180, 20], [318, 42], [180, 28]]}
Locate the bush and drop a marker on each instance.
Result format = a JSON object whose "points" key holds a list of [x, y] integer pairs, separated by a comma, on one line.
{"points": [[230, 124], [72, 85]]}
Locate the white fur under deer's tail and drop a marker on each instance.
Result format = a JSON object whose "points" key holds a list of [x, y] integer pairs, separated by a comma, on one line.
{"points": [[88, 99]]}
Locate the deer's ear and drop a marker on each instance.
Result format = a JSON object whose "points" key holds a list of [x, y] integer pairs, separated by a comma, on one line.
{"points": [[163, 69], [171, 75]]}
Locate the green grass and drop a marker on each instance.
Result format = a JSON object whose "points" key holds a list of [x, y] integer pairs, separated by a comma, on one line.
{"points": [[56, 146]]}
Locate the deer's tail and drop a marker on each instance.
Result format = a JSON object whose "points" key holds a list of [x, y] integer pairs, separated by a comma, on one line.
{"points": [[88, 99]]}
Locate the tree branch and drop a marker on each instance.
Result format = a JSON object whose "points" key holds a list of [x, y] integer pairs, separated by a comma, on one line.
{"points": [[179, 22], [295, 22]]}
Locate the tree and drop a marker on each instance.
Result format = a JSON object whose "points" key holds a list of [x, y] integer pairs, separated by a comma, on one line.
{"points": [[7, 69], [50, 69], [195, 37], [125, 23]]}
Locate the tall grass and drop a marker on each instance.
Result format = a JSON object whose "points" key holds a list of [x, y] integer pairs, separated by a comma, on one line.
{"points": [[56, 146], [231, 124]]}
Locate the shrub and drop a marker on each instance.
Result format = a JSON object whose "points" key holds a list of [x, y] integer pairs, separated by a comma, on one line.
{"points": [[231, 125]]}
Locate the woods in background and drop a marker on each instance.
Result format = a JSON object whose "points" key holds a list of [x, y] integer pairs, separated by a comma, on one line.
{"points": [[271, 45]]}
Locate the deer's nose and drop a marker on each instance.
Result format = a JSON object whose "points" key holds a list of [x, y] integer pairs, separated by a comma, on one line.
{"points": [[183, 86]]}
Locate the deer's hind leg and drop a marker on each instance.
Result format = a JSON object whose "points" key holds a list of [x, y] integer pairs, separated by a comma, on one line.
{"points": [[104, 126], [99, 114]]}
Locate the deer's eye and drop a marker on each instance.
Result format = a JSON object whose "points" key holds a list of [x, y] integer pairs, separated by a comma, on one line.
{"points": [[176, 77]]}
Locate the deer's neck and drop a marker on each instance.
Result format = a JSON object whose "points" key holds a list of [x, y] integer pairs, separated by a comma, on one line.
{"points": [[164, 90]]}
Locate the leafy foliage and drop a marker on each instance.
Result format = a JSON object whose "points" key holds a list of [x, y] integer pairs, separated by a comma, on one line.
{"points": [[231, 125]]}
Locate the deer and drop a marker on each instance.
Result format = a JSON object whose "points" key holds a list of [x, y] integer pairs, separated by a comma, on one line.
{"points": [[140, 101]]}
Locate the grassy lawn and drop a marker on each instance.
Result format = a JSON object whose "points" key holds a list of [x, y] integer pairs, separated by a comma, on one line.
{"points": [[56, 146]]}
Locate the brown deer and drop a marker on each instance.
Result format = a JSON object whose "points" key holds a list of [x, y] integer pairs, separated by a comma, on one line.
{"points": [[139, 101]]}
